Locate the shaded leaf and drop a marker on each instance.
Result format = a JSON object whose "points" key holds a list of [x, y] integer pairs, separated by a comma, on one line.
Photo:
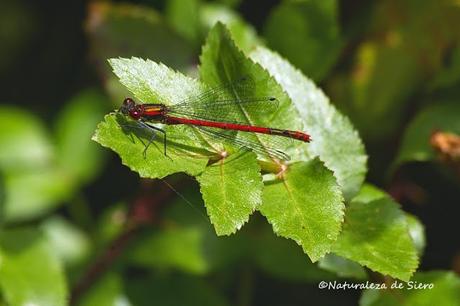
{"points": [[112, 223], [307, 34], [173, 290], [342, 267], [449, 75], [416, 141], [402, 51], [242, 32], [306, 206], [218, 252], [106, 291], [183, 15], [126, 30], [179, 248], [129, 30], [282, 259]]}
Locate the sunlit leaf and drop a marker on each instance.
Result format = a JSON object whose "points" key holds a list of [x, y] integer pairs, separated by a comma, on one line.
{"points": [[35, 193], [232, 190], [78, 156], [68, 242], [306, 206], [222, 62], [24, 141], [152, 82], [30, 273], [334, 139], [376, 235], [417, 233], [445, 290]]}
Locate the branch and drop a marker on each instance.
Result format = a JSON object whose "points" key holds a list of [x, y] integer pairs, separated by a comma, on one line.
{"points": [[144, 211]]}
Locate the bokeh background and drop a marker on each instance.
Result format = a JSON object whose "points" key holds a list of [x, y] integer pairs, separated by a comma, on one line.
{"points": [[393, 67]]}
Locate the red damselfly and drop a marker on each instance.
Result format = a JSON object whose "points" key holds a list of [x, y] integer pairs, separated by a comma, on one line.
{"points": [[213, 113]]}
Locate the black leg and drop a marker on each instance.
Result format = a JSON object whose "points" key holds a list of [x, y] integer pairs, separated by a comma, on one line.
{"points": [[151, 140]]}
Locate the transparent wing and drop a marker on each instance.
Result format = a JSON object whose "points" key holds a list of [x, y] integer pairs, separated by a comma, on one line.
{"points": [[233, 102], [244, 143]]}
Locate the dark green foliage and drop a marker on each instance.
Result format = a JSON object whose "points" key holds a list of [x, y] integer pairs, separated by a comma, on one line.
{"points": [[199, 227]]}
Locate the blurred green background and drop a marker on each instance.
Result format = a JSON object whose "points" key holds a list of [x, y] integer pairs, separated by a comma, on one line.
{"points": [[391, 66]]}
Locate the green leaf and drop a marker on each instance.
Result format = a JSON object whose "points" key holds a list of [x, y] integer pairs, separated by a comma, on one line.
{"points": [[67, 241], [180, 248], [125, 30], [232, 190], [151, 82], [394, 63], [281, 258], [449, 75], [442, 116], [24, 141], [76, 154], [306, 206], [334, 139], [34, 193], [371, 96], [369, 193], [155, 164], [376, 235], [172, 290], [242, 32], [111, 223], [223, 63], [306, 33], [417, 232], [30, 274], [183, 15], [445, 291], [107, 291], [2, 199], [342, 267], [32, 184], [189, 216], [132, 30], [22, 23]]}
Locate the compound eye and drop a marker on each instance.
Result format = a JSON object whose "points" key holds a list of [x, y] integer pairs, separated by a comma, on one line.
{"points": [[135, 114], [128, 102]]}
